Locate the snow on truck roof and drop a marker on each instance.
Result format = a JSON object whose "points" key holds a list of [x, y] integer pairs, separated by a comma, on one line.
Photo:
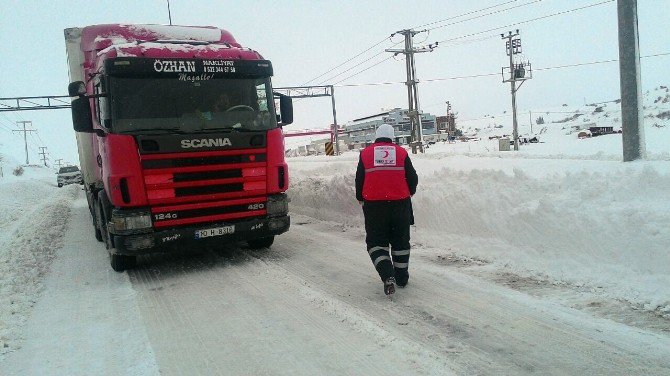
{"points": [[161, 41], [98, 37]]}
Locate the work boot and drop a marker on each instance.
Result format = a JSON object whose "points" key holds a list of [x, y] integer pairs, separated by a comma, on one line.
{"points": [[389, 286], [402, 279]]}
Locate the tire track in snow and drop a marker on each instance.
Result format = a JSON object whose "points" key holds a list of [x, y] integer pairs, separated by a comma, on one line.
{"points": [[251, 318], [483, 327]]}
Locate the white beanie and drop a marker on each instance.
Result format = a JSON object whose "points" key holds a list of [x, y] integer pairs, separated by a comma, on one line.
{"points": [[385, 131]]}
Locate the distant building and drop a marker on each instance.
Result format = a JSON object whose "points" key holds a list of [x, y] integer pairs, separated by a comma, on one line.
{"points": [[599, 131], [361, 131], [446, 124]]}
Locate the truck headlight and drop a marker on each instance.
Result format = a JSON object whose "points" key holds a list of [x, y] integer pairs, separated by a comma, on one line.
{"points": [[124, 222], [277, 205]]}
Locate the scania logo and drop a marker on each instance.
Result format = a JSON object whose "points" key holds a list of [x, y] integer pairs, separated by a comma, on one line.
{"points": [[174, 66], [205, 143]]}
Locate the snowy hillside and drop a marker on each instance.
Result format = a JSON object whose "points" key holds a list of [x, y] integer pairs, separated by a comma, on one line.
{"points": [[559, 126]]}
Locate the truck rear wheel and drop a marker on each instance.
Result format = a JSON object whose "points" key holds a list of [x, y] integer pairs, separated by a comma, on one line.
{"points": [[122, 262], [261, 242]]}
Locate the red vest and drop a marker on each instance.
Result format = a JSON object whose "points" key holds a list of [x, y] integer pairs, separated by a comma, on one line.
{"points": [[384, 165]]}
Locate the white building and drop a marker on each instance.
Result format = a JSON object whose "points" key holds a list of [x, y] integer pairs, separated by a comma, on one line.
{"points": [[362, 131]]}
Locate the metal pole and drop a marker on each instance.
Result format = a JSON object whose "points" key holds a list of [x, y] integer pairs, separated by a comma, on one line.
{"points": [[629, 77], [410, 91], [43, 153], [336, 130], [25, 135], [169, 13], [515, 132], [419, 125]]}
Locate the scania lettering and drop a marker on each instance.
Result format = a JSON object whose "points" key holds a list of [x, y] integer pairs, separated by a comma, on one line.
{"points": [[179, 136], [205, 143]]}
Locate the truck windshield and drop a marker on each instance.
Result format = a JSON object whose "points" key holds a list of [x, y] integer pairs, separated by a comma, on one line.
{"points": [[68, 169], [154, 104]]}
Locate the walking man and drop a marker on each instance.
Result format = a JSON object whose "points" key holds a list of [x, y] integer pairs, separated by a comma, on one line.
{"points": [[385, 183]]}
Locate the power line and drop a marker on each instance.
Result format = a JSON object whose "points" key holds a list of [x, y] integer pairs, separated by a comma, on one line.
{"points": [[486, 14], [357, 65], [498, 73], [348, 60], [466, 36], [528, 21], [361, 71], [431, 23], [465, 14]]}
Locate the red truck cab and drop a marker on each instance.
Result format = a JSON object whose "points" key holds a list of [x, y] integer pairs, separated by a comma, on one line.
{"points": [[178, 138]]}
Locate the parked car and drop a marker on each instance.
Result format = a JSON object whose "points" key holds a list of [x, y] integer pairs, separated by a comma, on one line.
{"points": [[69, 175]]}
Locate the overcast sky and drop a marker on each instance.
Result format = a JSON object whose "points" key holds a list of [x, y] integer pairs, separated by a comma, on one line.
{"points": [[305, 39]]}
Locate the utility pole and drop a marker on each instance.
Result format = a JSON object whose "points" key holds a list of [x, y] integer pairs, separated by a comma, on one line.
{"points": [[629, 77], [448, 117], [25, 135], [169, 13], [516, 73], [336, 129], [412, 89], [43, 153], [530, 117], [58, 162]]}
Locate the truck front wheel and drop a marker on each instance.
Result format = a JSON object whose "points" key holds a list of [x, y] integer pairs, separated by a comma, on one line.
{"points": [[98, 234], [261, 242], [122, 262]]}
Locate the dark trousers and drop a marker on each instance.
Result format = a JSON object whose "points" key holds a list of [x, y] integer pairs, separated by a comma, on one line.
{"points": [[387, 222]]}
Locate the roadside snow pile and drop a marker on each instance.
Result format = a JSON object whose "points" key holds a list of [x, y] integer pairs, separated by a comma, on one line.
{"points": [[606, 230], [32, 222]]}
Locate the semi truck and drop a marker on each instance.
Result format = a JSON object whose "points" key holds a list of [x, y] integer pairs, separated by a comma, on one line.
{"points": [[179, 139]]}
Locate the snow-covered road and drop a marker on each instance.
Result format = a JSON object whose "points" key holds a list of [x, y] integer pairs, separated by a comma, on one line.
{"points": [[311, 304]]}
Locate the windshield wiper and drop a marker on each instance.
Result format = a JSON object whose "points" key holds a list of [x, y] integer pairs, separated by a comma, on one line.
{"points": [[236, 129], [157, 130]]}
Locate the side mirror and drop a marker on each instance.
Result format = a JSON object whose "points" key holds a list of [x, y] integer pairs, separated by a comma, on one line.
{"points": [[81, 115], [286, 109], [76, 89]]}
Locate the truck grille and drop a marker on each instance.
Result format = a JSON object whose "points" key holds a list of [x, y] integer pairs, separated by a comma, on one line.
{"points": [[187, 188]]}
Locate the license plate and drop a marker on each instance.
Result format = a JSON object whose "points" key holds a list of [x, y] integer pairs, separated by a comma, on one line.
{"points": [[217, 231]]}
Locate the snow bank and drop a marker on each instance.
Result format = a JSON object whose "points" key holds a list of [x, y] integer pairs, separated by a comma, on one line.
{"points": [[32, 221]]}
